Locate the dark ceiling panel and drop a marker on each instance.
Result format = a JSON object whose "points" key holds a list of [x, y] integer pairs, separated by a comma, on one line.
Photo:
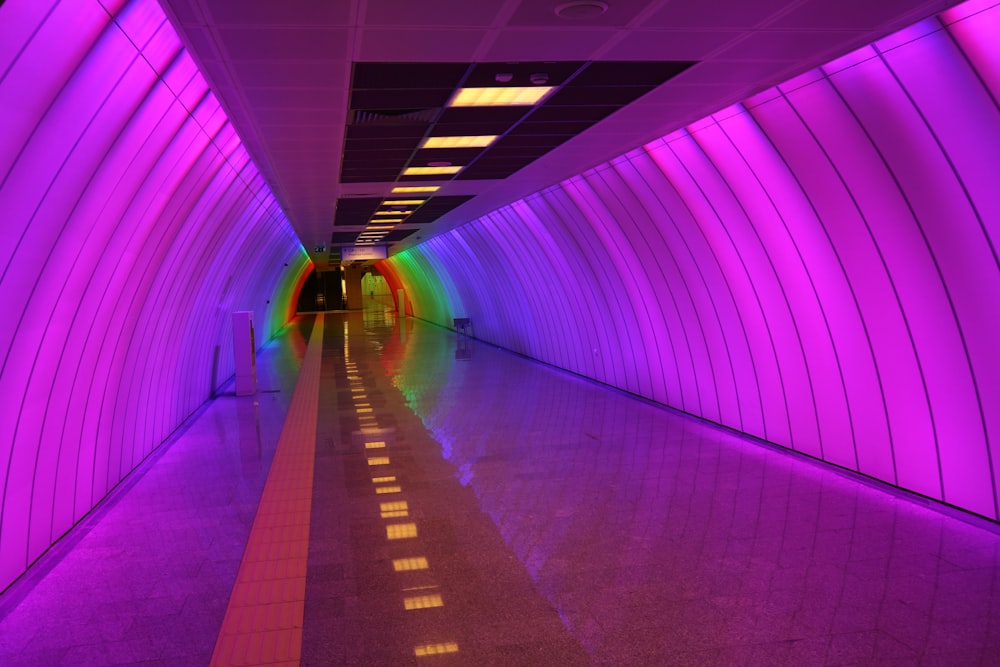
{"points": [[394, 106], [343, 237], [551, 128], [398, 98], [387, 131], [389, 76], [355, 210], [500, 115]]}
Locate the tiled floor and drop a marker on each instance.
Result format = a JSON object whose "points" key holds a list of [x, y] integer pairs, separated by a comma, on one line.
{"points": [[471, 507]]}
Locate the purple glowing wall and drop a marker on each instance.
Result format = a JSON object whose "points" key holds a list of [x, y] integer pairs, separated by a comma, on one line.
{"points": [[134, 223], [815, 266]]}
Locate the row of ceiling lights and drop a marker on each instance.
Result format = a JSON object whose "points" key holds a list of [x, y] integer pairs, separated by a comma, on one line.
{"points": [[394, 211]]}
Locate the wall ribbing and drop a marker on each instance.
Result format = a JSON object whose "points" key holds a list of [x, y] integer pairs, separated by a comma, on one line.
{"points": [[134, 224]]}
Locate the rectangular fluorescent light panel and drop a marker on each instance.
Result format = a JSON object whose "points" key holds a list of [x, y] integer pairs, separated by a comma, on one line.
{"points": [[431, 171], [393, 212], [403, 202], [477, 141], [512, 96], [415, 188]]}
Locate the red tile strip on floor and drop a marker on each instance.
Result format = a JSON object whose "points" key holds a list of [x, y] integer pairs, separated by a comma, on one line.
{"points": [[263, 622]]}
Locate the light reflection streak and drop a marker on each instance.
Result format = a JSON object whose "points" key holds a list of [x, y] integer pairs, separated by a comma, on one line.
{"points": [[401, 531], [410, 564], [435, 649]]}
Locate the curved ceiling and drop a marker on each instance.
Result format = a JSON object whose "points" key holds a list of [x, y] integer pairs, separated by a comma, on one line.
{"points": [[307, 83]]}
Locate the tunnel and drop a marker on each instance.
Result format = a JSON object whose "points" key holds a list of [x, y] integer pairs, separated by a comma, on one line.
{"points": [[809, 267]]}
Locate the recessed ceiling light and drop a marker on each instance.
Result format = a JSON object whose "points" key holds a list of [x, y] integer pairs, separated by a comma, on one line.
{"points": [[477, 141], [381, 227], [511, 96], [415, 188], [381, 220], [581, 9], [403, 202], [431, 171], [393, 212]]}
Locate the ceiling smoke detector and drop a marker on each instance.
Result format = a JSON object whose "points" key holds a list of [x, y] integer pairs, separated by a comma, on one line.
{"points": [[440, 163], [581, 9], [504, 77], [539, 78]]}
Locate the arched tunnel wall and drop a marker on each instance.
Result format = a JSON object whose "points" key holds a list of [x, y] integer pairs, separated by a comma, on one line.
{"points": [[134, 223], [816, 266]]}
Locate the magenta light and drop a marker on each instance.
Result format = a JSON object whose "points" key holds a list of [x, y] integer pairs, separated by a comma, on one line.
{"points": [[129, 205]]}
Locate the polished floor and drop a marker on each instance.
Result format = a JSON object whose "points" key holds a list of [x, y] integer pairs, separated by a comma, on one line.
{"points": [[466, 506]]}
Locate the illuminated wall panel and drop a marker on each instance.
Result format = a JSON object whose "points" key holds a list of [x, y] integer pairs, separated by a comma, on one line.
{"points": [[135, 223], [816, 266]]}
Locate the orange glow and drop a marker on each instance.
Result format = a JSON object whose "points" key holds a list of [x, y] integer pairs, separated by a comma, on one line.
{"points": [[401, 531], [408, 564]]}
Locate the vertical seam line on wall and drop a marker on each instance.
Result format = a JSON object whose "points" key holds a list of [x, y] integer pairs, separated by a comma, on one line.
{"points": [[889, 278], [940, 273], [728, 285], [826, 319], [770, 261]]}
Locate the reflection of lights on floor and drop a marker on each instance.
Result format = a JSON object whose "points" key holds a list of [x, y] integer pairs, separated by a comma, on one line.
{"points": [[409, 564], [397, 505], [423, 602], [363, 410], [388, 489], [357, 389], [378, 444], [360, 397], [378, 461], [394, 510], [435, 649], [384, 480], [400, 531]]}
